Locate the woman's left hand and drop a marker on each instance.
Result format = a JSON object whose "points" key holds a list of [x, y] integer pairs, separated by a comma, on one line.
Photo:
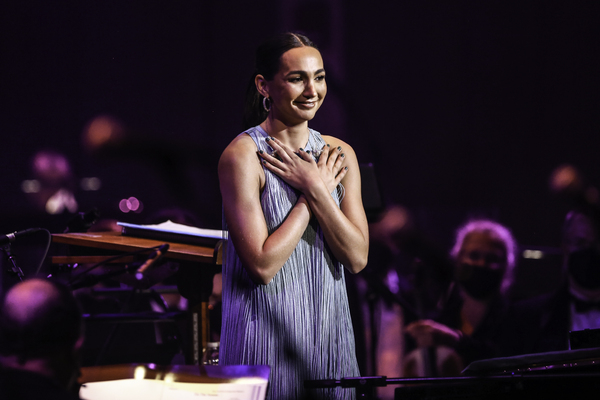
{"points": [[298, 169]]}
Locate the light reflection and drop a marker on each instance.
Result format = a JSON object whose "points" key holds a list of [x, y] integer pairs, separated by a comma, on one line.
{"points": [[139, 373]]}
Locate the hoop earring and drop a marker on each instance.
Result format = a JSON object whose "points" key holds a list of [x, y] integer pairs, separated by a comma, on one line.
{"points": [[265, 99]]}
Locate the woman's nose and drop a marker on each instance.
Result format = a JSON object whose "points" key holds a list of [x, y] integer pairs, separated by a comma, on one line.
{"points": [[309, 90]]}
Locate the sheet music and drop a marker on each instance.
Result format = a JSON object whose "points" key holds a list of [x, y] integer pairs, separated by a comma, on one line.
{"points": [[146, 389], [172, 227]]}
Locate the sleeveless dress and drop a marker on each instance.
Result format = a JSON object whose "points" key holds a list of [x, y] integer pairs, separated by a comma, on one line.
{"points": [[299, 324]]}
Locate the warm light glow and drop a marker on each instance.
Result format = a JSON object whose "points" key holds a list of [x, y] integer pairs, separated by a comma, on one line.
{"points": [[533, 254], [90, 184], [140, 372], [31, 186], [170, 377]]}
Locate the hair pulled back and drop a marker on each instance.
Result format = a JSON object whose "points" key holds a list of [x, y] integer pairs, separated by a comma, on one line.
{"points": [[267, 62]]}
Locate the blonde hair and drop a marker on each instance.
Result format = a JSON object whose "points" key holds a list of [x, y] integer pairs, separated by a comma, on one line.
{"points": [[498, 231]]}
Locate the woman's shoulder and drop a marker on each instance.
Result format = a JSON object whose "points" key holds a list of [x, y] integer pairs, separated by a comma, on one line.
{"points": [[335, 142], [239, 151]]}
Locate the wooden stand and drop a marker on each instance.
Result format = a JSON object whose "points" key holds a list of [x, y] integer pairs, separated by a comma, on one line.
{"points": [[198, 265]]}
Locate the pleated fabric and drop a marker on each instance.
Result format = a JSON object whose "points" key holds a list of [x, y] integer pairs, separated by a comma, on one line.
{"points": [[299, 324]]}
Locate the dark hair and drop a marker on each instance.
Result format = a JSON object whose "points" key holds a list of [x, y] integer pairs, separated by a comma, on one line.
{"points": [[266, 64], [52, 329]]}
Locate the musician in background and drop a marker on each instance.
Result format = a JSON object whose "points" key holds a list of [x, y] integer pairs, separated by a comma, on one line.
{"points": [[542, 324], [484, 253], [41, 334]]}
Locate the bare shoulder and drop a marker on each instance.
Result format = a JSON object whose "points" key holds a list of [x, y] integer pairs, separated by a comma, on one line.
{"points": [[335, 142], [240, 152]]}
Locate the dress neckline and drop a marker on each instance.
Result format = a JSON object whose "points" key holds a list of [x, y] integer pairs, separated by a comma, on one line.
{"points": [[309, 143]]}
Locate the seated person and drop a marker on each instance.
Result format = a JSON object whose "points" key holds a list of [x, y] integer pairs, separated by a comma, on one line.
{"points": [[542, 324], [484, 254], [40, 338]]}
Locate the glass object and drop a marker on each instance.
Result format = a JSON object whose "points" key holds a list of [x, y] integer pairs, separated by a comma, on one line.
{"points": [[210, 354]]}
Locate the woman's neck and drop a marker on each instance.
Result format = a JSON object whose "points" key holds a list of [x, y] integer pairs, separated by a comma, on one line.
{"points": [[293, 136]]}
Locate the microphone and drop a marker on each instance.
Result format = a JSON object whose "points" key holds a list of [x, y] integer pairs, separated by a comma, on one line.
{"points": [[155, 256], [11, 237]]}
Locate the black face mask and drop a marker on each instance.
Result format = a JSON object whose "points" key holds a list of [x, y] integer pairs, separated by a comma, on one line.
{"points": [[584, 268], [479, 282]]}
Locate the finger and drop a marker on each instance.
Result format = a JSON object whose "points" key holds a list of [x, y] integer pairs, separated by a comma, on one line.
{"points": [[341, 175], [282, 149], [324, 154], [335, 153], [305, 155], [268, 159], [338, 162], [274, 169]]}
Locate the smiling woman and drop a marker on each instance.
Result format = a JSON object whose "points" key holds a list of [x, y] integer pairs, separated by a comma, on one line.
{"points": [[297, 90], [295, 220]]}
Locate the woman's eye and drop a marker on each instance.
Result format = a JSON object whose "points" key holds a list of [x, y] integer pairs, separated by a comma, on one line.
{"points": [[298, 79], [320, 78]]}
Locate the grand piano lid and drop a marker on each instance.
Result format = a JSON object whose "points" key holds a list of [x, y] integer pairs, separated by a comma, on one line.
{"points": [[535, 362]]}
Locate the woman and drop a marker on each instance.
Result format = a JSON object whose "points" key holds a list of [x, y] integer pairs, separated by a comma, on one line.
{"points": [[293, 209], [473, 315]]}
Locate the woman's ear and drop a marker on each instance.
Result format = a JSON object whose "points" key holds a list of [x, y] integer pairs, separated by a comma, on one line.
{"points": [[261, 85]]}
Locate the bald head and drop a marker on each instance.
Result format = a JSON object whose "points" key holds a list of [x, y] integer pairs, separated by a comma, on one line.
{"points": [[28, 299], [38, 318]]}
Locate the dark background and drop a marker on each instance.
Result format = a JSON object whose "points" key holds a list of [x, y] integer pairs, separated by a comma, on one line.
{"points": [[464, 108]]}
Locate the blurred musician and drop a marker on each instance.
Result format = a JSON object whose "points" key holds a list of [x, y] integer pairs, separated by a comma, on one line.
{"points": [[40, 339], [542, 324], [484, 255]]}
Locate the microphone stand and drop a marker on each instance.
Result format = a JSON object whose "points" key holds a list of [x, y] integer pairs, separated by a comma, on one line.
{"points": [[14, 269], [91, 280]]}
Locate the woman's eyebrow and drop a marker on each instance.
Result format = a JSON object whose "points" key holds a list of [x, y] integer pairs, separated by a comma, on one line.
{"points": [[303, 73]]}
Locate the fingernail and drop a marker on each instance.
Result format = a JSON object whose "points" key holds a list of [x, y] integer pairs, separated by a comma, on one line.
{"points": [[261, 151], [339, 147], [346, 168], [267, 139], [343, 155], [301, 149]]}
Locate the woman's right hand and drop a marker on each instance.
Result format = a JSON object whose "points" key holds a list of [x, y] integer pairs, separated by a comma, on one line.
{"points": [[300, 170], [241, 179], [297, 169]]}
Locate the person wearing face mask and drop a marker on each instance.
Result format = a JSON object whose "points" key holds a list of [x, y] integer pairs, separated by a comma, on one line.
{"points": [[484, 255], [41, 334], [542, 324]]}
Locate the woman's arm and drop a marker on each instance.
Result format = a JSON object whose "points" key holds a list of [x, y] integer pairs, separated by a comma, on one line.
{"points": [[345, 228], [241, 178]]}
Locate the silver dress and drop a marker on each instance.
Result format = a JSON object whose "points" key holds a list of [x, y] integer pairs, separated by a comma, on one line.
{"points": [[299, 324]]}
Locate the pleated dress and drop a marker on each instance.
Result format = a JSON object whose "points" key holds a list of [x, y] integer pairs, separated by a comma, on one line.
{"points": [[299, 323]]}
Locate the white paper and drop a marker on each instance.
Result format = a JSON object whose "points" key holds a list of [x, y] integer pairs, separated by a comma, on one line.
{"points": [[173, 227], [145, 389]]}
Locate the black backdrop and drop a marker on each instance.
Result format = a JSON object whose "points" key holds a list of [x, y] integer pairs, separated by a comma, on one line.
{"points": [[463, 107]]}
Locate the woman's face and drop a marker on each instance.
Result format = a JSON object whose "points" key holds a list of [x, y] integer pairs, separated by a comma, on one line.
{"points": [[298, 89]]}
